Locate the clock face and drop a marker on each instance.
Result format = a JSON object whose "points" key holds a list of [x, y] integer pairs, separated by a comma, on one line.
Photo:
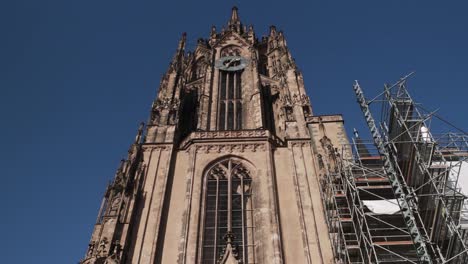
{"points": [[231, 63]]}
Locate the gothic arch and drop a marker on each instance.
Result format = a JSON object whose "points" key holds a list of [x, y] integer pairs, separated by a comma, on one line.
{"points": [[227, 222], [242, 160]]}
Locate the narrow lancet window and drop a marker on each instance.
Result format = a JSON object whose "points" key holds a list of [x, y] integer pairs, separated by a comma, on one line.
{"points": [[230, 101]]}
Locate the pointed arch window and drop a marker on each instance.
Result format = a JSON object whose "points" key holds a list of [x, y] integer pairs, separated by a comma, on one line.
{"points": [[228, 222]]}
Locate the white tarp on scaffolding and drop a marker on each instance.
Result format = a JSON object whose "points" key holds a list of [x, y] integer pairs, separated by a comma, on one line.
{"points": [[463, 177], [458, 174], [382, 206], [463, 185]]}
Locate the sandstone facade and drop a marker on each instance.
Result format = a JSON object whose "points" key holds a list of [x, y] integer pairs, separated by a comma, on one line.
{"points": [[234, 100]]}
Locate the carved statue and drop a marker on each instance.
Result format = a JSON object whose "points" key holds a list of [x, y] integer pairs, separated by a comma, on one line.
{"points": [[91, 246], [116, 202], [102, 249], [289, 113]]}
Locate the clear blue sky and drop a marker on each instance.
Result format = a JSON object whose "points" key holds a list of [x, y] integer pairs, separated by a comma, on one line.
{"points": [[76, 78]]}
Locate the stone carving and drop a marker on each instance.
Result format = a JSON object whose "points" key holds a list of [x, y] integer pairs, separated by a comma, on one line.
{"points": [[328, 148], [300, 144], [225, 134], [165, 107], [157, 147], [166, 103], [230, 253], [253, 56], [119, 180], [91, 247], [320, 161], [229, 37], [232, 134], [112, 260], [231, 51], [302, 99], [295, 99], [102, 248], [230, 148], [164, 82], [116, 202], [288, 102], [289, 113], [172, 118]]}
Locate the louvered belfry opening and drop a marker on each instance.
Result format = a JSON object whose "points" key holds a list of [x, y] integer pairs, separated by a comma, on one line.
{"points": [[230, 101]]}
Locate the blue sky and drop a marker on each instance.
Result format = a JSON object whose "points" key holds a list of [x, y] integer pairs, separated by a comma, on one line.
{"points": [[77, 77]]}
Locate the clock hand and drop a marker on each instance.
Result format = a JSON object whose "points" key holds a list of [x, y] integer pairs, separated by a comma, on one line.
{"points": [[232, 61], [227, 62]]}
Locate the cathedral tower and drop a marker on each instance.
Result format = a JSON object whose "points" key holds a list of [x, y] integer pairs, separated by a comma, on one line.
{"points": [[226, 170]]}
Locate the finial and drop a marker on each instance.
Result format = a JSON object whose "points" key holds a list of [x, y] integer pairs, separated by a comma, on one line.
{"points": [[213, 30], [182, 41], [234, 16], [272, 31], [251, 34], [139, 133], [175, 64]]}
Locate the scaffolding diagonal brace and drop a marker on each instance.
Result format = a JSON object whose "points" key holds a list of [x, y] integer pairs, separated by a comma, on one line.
{"points": [[406, 202]]}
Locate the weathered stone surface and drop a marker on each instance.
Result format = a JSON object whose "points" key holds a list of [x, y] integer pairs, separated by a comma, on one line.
{"points": [[154, 211]]}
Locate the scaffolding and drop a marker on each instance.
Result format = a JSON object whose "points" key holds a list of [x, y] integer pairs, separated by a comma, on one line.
{"points": [[401, 197]]}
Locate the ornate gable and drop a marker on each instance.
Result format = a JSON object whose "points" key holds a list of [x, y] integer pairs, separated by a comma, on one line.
{"points": [[232, 38]]}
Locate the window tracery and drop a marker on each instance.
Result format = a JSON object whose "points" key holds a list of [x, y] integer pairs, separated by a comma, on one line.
{"points": [[228, 221]]}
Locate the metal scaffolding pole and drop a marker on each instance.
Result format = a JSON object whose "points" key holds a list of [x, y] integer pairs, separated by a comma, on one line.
{"points": [[404, 198]]}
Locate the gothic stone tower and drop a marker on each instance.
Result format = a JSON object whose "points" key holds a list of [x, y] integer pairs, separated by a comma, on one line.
{"points": [[227, 169]]}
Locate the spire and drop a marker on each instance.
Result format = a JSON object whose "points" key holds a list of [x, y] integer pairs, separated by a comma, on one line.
{"points": [[234, 16], [234, 23], [179, 53], [182, 41]]}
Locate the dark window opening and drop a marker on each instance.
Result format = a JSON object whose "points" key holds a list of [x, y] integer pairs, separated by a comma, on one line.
{"points": [[230, 101]]}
